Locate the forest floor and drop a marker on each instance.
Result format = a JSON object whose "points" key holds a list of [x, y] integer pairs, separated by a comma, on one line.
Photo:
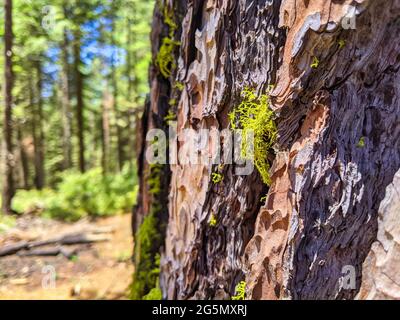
{"points": [[101, 270]]}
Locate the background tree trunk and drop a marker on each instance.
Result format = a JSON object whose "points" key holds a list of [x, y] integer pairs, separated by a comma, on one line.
{"points": [[337, 107], [66, 105], [8, 181], [39, 133], [79, 99]]}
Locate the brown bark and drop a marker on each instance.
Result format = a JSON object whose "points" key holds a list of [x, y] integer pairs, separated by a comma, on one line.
{"points": [[336, 153], [8, 181]]}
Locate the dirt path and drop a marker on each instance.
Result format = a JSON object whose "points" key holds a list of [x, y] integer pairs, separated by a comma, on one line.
{"points": [[98, 271]]}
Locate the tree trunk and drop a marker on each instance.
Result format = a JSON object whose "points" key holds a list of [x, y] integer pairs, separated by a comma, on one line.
{"points": [[116, 112], [79, 99], [336, 104], [66, 106], [8, 182], [24, 158], [106, 132], [39, 133]]}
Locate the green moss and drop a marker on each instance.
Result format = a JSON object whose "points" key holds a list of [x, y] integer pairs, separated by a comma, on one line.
{"points": [[171, 116], [147, 240], [240, 291], [172, 102], [165, 59], [341, 43], [169, 19], [154, 179], [254, 115], [216, 177], [315, 63], [361, 143], [154, 294], [213, 221], [179, 85]]}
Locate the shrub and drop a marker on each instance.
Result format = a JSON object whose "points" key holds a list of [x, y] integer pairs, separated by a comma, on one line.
{"points": [[6, 223], [78, 195]]}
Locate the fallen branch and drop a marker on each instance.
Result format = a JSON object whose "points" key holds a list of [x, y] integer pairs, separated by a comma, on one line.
{"points": [[48, 252], [69, 239], [13, 248]]}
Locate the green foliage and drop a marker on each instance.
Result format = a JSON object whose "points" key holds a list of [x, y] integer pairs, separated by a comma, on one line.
{"points": [[6, 223], [240, 291], [145, 278], [315, 63], [254, 117], [78, 195], [361, 143]]}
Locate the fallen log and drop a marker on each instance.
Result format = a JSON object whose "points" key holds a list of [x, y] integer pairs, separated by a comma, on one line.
{"points": [[69, 239], [13, 248], [48, 252]]}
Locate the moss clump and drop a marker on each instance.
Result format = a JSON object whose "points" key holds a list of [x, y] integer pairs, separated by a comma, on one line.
{"points": [[213, 221], [314, 63], [171, 116], [254, 115], [165, 59], [154, 294], [154, 180], [361, 143], [216, 177], [240, 291], [179, 85], [147, 240], [263, 199]]}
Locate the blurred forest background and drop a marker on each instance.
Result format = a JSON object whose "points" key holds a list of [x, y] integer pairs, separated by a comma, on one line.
{"points": [[79, 84]]}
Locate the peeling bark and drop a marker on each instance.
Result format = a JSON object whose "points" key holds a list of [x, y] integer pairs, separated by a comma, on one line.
{"points": [[336, 100]]}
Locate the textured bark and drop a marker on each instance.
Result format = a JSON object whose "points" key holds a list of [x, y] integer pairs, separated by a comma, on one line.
{"points": [[380, 277], [337, 151]]}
